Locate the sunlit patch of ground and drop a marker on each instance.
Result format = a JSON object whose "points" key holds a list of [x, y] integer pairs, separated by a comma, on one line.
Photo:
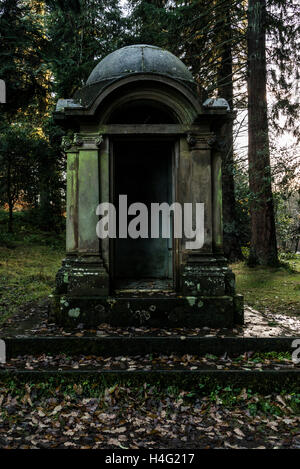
{"points": [[275, 290]]}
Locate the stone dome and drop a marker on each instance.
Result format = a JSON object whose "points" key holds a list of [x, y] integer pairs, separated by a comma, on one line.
{"points": [[136, 59]]}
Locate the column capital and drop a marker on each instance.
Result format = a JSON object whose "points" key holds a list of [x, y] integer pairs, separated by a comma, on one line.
{"points": [[87, 141], [81, 141], [200, 141]]}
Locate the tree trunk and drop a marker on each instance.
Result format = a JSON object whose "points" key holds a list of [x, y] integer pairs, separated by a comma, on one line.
{"points": [[263, 248], [232, 247]]}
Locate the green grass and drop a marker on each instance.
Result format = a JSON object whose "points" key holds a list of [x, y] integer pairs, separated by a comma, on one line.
{"points": [[29, 261], [275, 289]]}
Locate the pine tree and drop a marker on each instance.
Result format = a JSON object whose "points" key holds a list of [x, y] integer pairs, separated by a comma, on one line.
{"points": [[21, 60], [80, 34]]}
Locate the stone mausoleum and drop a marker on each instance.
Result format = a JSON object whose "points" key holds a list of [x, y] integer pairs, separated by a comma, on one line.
{"points": [[138, 127]]}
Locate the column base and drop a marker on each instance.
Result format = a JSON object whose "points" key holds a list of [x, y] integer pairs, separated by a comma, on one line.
{"points": [[207, 297], [82, 276], [207, 275]]}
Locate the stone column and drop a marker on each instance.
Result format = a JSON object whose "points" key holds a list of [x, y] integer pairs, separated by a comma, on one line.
{"points": [[104, 191], [204, 274], [83, 270], [88, 192], [71, 197], [201, 184], [217, 219]]}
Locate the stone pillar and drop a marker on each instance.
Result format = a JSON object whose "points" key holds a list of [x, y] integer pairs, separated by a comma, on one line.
{"points": [[217, 218], [104, 191], [204, 272], [201, 184], [83, 273], [88, 193], [71, 197]]}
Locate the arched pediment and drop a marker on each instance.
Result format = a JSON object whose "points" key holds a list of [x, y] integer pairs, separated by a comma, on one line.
{"points": [[175, 98]]}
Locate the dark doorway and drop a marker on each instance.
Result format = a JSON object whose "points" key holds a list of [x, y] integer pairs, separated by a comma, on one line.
{"points": [[142, 170]]}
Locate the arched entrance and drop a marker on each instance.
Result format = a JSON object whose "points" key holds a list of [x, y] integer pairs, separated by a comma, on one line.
{"points": [[143, 170], [141, 131]]}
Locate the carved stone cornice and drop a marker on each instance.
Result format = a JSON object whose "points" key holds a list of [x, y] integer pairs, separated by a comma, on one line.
{"points": [[200, 141]]}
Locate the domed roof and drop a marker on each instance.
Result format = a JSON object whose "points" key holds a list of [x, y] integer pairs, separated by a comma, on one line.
{"points": [[139, 58]]}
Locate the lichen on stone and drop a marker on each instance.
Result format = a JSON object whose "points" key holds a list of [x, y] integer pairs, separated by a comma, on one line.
{"points": [[74, 312], [191, 300]]}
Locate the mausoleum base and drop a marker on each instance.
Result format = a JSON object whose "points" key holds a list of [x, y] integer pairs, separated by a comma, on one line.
{"points": [[190, 311]]}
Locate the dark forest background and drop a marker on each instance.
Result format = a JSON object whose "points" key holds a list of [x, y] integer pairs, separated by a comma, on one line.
{"points": [[244, 51]]}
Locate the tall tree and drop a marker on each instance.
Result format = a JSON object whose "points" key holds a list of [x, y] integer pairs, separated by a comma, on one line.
{"points": [[224, 42], [18, 175], [80, 34], [263, 248], [25, 69], [21, 60]]}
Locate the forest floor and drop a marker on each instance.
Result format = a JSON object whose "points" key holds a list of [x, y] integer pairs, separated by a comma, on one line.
{"points": [[29, 260], [47, 416]]}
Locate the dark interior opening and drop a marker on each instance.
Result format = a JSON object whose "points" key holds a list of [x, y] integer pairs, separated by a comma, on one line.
{"points": [[143, 172], [142, 112]]}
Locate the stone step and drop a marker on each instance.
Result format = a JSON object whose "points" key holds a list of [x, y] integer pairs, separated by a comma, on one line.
{"points": [[258, 381], [140, 345]]}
